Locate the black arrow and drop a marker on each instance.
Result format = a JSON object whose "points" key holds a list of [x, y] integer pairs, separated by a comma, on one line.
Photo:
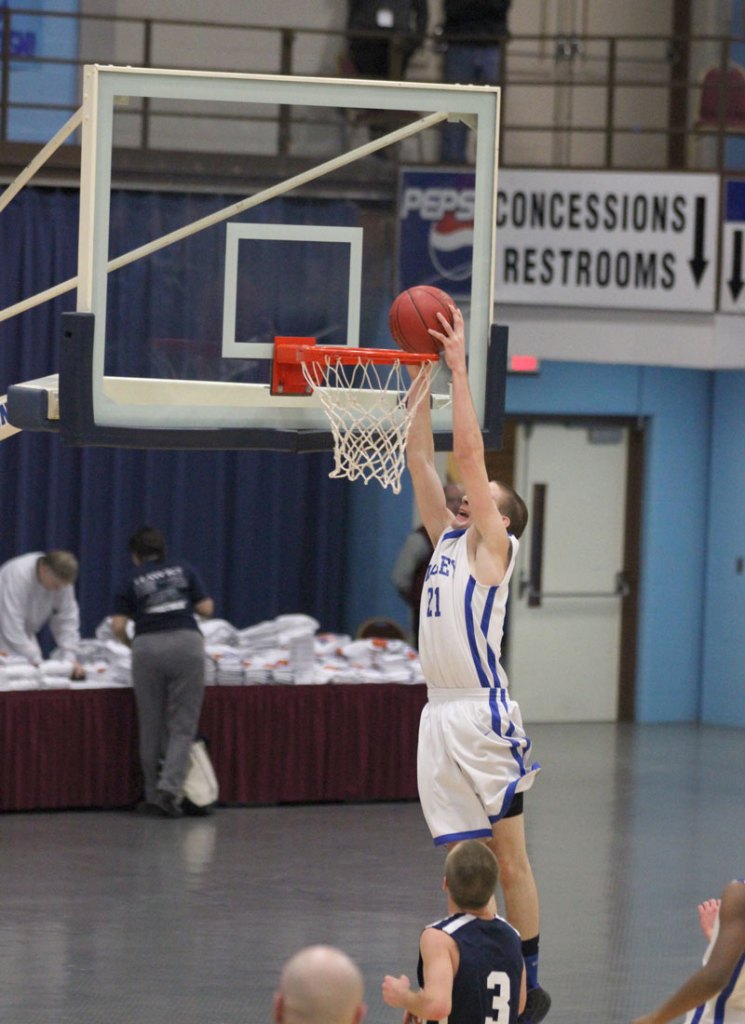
{"points": [[698, 264], [736, 283]]}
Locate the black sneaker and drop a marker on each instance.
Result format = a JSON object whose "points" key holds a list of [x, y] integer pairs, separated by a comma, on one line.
{"points": [[148, 810], [168, 803], [537, 1005]]}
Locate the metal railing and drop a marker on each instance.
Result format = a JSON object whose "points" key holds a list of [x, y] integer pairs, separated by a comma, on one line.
{"points": [[631, 102]]}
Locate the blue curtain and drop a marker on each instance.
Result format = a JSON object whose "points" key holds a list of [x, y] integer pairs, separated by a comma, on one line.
{"points": [[266, 530]]}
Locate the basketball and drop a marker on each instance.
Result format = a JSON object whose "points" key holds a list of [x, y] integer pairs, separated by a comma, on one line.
{"points": [[413, 312]]}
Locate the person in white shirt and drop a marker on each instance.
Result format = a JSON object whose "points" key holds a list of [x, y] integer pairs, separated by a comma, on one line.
{"points": [[37, 589]]}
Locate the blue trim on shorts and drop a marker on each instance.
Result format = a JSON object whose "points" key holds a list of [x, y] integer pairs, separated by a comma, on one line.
{"points": [[455, 837], [515, 744]]}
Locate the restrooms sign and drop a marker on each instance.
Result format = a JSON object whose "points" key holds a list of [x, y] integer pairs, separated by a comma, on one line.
{"points": [[564, 238]]}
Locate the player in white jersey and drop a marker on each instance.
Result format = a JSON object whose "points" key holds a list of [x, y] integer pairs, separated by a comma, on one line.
{"points": [[473, 759], [715, 994]]}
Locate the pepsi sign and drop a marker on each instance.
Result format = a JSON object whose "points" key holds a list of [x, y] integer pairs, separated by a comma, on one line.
{"points": [[436, 230], [588, 239]]}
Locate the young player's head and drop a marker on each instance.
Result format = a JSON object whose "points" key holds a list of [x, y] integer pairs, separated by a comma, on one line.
{"points": [[148, 544], [471, 874], [510, 504]]}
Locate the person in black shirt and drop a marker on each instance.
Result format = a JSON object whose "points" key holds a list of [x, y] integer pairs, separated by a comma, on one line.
{"points": [[384, 34], [161, 597]]}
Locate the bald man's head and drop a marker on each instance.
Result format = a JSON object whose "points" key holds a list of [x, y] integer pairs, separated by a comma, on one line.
{"points": [[320, 985]]}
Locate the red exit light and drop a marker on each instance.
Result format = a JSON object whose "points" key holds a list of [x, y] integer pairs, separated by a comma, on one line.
{"points": [[524, 364]]}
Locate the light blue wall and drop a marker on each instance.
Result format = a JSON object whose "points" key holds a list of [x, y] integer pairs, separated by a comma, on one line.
{"points": [[680, 550], [676, 407], [674, 524], [723, 698]]}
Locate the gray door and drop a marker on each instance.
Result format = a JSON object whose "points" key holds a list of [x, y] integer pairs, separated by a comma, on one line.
{"points": [[563, 650]]}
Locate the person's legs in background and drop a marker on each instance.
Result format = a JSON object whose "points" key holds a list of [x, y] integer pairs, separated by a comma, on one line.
{"points": [[184, 653], [465, 65], [149, 686]]}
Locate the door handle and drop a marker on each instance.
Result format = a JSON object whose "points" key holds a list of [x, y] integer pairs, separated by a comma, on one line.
{"points": [[532, 584], [622, 589], [537, 517]]}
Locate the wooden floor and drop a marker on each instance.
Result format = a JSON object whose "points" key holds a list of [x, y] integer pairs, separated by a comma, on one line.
{"points": [[107, 918]]}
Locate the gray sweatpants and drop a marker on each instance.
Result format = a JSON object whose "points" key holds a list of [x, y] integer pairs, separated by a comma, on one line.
{"points": [[168, 680]]}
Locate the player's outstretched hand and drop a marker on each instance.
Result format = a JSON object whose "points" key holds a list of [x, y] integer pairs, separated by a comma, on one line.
{"points": [[395, 990], [452, 337], [707, 915]]}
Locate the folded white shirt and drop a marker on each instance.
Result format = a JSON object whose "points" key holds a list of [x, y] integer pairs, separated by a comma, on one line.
{"points": [[55, 667], [19, 670]]}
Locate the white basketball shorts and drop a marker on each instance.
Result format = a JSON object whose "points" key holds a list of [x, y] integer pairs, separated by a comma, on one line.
{"points": [[473, 756]]}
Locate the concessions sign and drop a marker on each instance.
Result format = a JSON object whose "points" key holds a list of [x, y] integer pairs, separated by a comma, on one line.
{"points": [[565, 238]]}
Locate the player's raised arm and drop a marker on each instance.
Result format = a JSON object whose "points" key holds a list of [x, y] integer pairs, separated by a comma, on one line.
{"points": [[468, 449], [420, 460]]}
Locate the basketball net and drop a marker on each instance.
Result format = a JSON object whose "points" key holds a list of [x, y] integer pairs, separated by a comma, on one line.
{"points": [[370, 409]]}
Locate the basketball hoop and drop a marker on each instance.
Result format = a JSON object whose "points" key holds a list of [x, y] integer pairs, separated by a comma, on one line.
{"points": [[368, 397]]}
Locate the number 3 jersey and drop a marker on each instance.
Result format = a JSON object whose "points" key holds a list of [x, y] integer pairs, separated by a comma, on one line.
{"points": [[462, 621], [486, 986]]}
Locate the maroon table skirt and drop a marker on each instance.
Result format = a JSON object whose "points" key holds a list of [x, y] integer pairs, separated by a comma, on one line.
{"points": [[269, 744]]}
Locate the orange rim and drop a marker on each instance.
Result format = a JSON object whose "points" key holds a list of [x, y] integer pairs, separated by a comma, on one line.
{"points": [[321, 354], [295, 359]]}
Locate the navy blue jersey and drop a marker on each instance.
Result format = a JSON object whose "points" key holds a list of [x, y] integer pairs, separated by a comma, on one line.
{"points": [[486, 986], [160, 596]]}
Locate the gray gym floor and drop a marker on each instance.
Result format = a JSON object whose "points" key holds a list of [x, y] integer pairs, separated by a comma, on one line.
{"points": [[108, 918]]}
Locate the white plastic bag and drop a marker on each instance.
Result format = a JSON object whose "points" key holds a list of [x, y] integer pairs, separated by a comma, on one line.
{"points": [[200, 790]]}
